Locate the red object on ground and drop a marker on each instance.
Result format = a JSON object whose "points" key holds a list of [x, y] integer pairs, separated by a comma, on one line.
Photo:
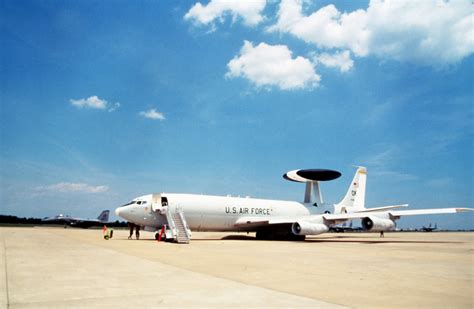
{"points": [[161, 233]]}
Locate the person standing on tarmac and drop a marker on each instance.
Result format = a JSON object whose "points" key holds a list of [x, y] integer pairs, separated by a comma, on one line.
{"points": [[137, 232], [131, 226]]}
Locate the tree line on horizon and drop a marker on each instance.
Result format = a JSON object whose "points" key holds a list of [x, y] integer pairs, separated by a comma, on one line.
{"points": [[6, 219]]}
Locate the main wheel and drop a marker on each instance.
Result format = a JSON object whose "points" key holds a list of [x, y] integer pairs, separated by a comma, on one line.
{"points": [[261, 235], [294, 237], [265, 235]]}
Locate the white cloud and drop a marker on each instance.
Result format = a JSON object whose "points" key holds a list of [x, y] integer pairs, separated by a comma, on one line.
{"points": [[341, 60], [65, 187], [114, 106], [153, 114], [326, 27], [272, 65], [425, 32], [91, 102], [249, 11], [95, 103]]}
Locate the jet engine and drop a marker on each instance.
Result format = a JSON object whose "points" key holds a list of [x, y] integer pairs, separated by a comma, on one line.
{"points": [[375, 224], [307, 228]]}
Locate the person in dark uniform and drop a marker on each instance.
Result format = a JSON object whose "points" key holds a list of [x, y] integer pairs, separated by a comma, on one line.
{"points": [[131, 226], [137, 231], [381, 234]]}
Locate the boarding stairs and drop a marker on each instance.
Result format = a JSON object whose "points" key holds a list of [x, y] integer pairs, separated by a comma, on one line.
{"points": [[178, 229]]}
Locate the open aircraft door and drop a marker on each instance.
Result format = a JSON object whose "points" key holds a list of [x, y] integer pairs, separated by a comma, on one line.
{"points": [[156, 202]]}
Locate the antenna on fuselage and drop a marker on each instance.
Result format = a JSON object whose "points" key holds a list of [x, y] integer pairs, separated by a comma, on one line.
{"points": [[312, 177]]}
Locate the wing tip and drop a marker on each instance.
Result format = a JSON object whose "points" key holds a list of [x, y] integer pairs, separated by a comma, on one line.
{"points": [[464, 209]]}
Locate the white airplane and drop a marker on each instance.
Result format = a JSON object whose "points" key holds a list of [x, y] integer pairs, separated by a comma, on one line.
{"points": [[270, 219]]}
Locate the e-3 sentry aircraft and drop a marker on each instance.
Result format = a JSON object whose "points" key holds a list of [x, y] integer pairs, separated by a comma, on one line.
{"points": [[270, 219]]}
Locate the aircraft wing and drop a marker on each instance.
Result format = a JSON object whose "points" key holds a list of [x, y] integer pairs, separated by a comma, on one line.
{"points": [[399, 213], [65, 219], [336, 218], [383, 208], [395, 213]]}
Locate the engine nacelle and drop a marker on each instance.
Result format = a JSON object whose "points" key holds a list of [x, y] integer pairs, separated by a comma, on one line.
{"points": [[375, 224], [307, 228]]}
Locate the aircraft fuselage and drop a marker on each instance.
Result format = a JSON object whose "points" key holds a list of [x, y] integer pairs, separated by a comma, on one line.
{"points": [[213, 213]]}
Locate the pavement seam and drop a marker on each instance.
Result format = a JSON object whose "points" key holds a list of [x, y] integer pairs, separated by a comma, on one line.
{"points": [[71, 301]]}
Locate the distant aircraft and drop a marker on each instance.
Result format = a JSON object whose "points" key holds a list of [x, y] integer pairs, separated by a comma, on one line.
{"points": [[429, 228], [102, 219], [270, 219]]}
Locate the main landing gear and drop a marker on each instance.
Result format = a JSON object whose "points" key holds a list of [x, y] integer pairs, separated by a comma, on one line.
{"points": [[275, 235]]}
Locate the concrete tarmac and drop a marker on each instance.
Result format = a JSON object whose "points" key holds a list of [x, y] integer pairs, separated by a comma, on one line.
{"points": [[57, 268]]}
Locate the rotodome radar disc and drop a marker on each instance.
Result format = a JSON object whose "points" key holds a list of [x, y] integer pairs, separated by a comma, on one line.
{"points": [[307, 175]]}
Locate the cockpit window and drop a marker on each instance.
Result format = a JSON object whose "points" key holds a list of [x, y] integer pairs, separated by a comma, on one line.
{"points": [[144, 202], [129, 203], [139, 202]]}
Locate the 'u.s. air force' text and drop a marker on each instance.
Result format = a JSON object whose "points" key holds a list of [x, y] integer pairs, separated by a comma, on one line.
{"points": [[247, 211]]}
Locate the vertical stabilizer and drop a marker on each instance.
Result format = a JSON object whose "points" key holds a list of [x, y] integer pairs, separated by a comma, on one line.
{"points": [[355, 196], [104, 216]]}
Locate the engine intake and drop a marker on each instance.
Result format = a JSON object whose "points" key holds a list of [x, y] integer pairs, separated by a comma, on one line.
{"points": [[307, 228], [375, 224]]}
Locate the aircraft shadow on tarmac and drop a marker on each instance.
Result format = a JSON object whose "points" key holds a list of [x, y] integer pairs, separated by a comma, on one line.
{"points": [[337, 239], [332, 239], [381, 241]]}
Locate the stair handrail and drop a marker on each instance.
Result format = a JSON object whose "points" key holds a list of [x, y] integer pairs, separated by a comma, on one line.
{"points": [[171, 223], [185, 225]]}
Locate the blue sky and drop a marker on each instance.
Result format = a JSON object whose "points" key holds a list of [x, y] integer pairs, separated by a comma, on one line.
{"points": [[102, 101]]}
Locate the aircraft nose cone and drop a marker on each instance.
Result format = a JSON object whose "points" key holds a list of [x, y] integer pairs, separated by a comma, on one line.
{"points": [[117, 211]]}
